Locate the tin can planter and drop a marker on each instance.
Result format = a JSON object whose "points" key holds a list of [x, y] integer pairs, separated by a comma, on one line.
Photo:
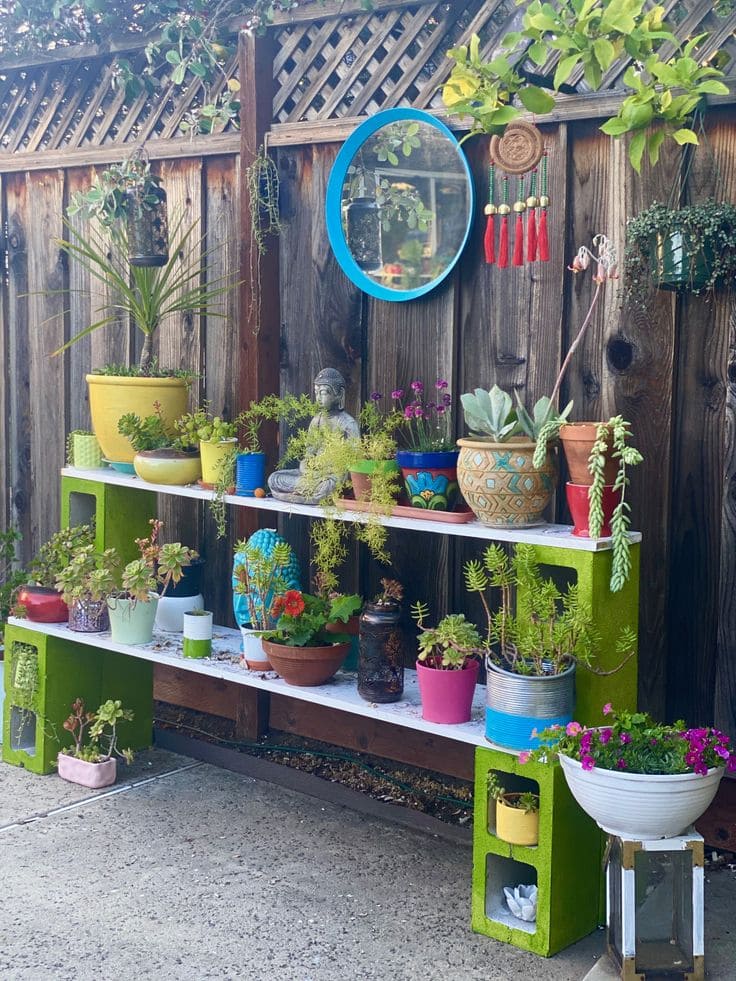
{"points": [[89, 616], [430, 479], [147, 227], [197, 634], [306, 667], [86, 773], [85, 452], [131, 621], [381, 653], [42, 604], [514, 824], [253, 653], [579, 504], [213, 454], [447, 696], [642, 806], [520, 703], [250, 473], [501, 484]]}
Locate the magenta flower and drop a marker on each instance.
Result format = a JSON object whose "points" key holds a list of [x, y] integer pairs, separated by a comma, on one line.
{"points": [[722, 752], [524, 756], [587, 762], [409, 412], [621, 763], [731, 765], [607, 708], [440, 409], [625, 738], [447, 399], [417, 386], [585, 741], [440, 384], [376, 396], [418, 412], [573, 728], [398, 393]]}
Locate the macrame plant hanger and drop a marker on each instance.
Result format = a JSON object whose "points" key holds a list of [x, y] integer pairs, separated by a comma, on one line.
{"points": [[517, 155]]}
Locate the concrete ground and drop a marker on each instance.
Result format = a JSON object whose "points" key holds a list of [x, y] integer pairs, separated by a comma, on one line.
{"points": [[186, 871]]}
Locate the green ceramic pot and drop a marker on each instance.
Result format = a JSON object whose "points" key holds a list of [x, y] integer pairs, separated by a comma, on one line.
{"points": [[131, 621]]}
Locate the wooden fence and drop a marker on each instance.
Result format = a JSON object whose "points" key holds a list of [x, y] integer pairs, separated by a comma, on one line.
{"points": [[672, 371]]}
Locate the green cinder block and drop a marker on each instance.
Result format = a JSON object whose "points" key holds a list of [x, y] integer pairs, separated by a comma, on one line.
{"points": [[121, 514], [565, 865], [40, 689]]}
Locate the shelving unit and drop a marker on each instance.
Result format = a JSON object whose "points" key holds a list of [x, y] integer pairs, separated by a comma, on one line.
{"points": [[566, 864]]}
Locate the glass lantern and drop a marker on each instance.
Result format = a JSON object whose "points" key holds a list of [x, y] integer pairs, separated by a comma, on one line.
{"points": [[655, 907]]}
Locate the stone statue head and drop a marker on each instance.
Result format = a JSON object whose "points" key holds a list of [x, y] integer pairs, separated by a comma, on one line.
{"points": [[330, 382]]}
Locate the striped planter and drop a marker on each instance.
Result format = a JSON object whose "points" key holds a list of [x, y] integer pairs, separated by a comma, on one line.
{"points": [[197, 628], [501, 484], [519, 703]]}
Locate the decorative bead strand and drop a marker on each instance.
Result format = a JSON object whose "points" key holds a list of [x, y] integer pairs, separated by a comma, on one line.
{"points": [[489, 245], [519, 209], [504, 210], [544, 204]]}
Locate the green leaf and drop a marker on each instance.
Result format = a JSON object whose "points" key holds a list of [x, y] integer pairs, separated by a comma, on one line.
{"points": [[712, 87], [654, 142], [604, 52], [499, 117], [173, 57], [536, 100], [615, 127], [593, 75], [564, 69], [177, 76], [685, 135], [636, 149], [538, 53], [198, 69]]}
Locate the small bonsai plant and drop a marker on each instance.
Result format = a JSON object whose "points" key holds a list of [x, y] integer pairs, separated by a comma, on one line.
{"points": [[450, 645]]}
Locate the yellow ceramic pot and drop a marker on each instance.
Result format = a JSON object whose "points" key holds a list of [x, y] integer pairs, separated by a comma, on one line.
{"points": [[213, 452], [174, 467], [111, 396], [514, 825]]}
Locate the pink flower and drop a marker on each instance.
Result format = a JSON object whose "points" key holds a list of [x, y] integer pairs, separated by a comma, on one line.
{"points": [[398, 393], [587, 762], [524, 756], [409, 412], [585, 740], [440, 384], [573, 728], [604, 735], [625, 738], [417, 386], [607, 708], [621, 763], [447, 399]]}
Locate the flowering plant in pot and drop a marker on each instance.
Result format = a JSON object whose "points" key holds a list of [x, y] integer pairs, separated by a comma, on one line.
{"points": [[160, 456], [638, 778], [517, 813], [38, 598], [300, 647], [429, 459], [92, 760], [447, 665], [532, 647]]}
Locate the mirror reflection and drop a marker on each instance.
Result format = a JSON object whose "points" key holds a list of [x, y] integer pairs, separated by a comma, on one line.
{"points": [[406, 205]]}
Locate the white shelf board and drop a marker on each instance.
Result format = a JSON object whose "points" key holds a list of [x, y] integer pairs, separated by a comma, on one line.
{"points": [[559, 536], [340, 693]]}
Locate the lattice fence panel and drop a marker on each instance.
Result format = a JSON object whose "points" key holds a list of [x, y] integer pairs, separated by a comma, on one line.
{"points": [[74, 104], [354, 66]]}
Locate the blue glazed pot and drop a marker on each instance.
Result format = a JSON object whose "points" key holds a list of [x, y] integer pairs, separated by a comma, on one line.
{"points": [[430, 479], [250, 473], [519, 703]]}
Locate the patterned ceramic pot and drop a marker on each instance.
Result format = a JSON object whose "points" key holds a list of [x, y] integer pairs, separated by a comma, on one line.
{"points": [[430, 479], [88, 616], [501, 484]]}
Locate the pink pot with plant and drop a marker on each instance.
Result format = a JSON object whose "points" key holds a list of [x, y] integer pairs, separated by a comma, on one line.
{"points": [[447, 667], [86, 773]]}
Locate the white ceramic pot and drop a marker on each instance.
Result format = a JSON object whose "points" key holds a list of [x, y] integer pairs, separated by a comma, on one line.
{"points": [[640, 805], [171, 610], [85, 773], [131, 621], [253, 653]]}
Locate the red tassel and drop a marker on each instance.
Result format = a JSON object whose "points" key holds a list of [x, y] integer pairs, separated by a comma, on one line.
{"points": [[531, 235], [489, 244], [503, 244], [543, 242], [519, 241]]}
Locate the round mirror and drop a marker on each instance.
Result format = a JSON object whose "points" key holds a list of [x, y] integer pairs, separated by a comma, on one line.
{"points": [[399, 204]]}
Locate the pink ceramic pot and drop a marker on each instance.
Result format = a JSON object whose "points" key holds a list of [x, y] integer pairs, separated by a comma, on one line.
{"points": [[92, 775], [447, 696], [577, 501]]}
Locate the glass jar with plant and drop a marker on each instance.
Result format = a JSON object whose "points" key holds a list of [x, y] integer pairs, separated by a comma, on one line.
{"points": [[533, 645], [447, 666], [382, 645], [160, 456], [517, 813], [38, 598], [636, 777], [92, 760]]}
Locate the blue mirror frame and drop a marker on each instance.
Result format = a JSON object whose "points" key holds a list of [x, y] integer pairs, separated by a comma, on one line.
{"points": [[335, 186]]}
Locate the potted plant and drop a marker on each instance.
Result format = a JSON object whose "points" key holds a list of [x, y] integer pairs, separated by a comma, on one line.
{"points": [[300, 647], [532, 647], [517, 813], [160, 457], [265, 568], [85, 583], [689, 249], [197, 629], [217, 440], [144, 296], [92, 760], [373, 467], [495, 471], [83, 450], [129, 194], [447, 666], [250, 463], [180, 597], [638, 778], [381, 646], [38, 598], [429, 462]]}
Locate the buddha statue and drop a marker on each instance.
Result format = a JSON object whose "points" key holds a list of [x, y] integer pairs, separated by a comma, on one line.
{"points": [[329, 394]]}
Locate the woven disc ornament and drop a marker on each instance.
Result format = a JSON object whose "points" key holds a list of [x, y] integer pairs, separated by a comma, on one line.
{"points": [[520, 154]]}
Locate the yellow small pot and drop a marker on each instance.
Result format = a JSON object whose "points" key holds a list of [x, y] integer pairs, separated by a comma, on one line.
{"points": [[173, 467], [111, 396], [213, 452], [514, 825]]}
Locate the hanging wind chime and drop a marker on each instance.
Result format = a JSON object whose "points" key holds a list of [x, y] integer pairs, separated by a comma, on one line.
{"points": [[520, 156]]}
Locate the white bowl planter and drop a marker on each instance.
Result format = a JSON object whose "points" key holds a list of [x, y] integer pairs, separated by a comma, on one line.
{"points": [[642, 806]]}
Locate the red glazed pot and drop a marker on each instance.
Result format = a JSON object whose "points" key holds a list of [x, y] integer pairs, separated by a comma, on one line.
{"points": [[577, 501], [42, 604], [447, 696]]}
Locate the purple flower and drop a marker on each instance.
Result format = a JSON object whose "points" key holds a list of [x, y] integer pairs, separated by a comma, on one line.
{"points": [[418, 412], [431, 405], [621, 763], [625, 738], [398, 394], [722, 752], [441, 409], [376, 396], [409, 412], [604, 735], [447, 399], [587, 762], [585, 740], [731, 765], [440, 384], [701, 768], [417, 386]]}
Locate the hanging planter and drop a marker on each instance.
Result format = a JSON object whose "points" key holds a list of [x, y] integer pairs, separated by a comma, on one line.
{"points": [[147, 224]]}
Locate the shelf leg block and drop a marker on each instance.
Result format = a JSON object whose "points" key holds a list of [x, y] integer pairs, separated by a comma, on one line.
{"points": [[121, 515]]}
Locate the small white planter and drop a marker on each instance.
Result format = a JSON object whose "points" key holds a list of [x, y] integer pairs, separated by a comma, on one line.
{"points": [[197, 634], [641, 806], [86, 774], [253, 653], [171, 610]]}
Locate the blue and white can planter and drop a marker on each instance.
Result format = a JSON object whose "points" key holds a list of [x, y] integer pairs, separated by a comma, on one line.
{"points": [[517, 704]]}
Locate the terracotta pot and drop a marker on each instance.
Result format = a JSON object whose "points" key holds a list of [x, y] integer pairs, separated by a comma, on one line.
{"points": [[306, 666], [43, 604], [501, 484], [577, 439], [86, 774], [579, 504], [360, 477]]}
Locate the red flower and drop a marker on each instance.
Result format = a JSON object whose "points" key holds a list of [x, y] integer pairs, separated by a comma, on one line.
{"points": [[277, 607], [293, 603]]}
